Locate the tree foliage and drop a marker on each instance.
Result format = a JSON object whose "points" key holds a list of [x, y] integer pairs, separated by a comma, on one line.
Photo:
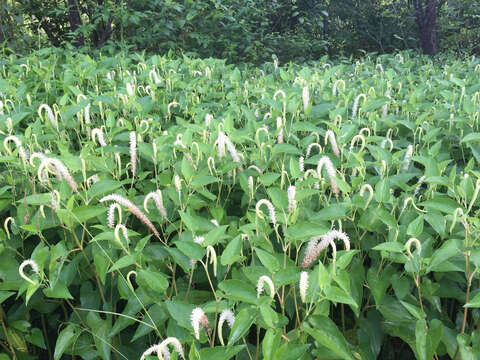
{"points": [[245, 30]]}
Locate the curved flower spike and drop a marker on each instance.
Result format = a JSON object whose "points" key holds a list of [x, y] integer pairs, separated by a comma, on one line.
{"points": [[212, 256], [5, 225], [124, 230], [98, 133], [55, 165], [370, 193], [157, 198], [18, 144], [310, 147], [170, 341], [271, 210], [279, 92], [329, 135], [50, 115], [197, 319], [408, 155], [280, 130], [355, 104], [111, 214], [134, 209], [314, 248], [355, 139], [458, 211], [305, 97], [408, 246], [325, 161], [133, 152], [292, 203], [261, 281], [303, 285], [385, 141], [228, 316], [34, 267]]}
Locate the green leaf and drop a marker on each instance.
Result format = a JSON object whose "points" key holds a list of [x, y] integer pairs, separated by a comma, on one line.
{"points": [[269, 178], [64, 340], [85, 212], [415, 228], [103, 187], [391, 246], [232, 252], [238, 290], [285, 149], [268, 260], [190, 249], [242, 324], [471, 137], [326, 333], [59, 291], [449, 249], [220, 352], [154, 280], [382, 191], [270, 343]]}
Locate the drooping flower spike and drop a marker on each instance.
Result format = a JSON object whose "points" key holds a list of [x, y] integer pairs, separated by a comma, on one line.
{"points": [[264, 279], [271, 210], [197, 319], [228, 316], [303, 285], [134, 209], [34, 267]]}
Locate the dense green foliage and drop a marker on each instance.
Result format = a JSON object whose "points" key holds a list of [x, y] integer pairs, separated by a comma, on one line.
{"points": [[238, 30], [407, 168]]}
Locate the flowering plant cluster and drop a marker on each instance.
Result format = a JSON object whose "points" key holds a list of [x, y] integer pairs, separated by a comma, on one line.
{"points": [[160, 208]]}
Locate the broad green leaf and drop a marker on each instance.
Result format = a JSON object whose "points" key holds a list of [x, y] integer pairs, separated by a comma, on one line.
{"points": [[268, 260], [243, 321], [326, 333], [64, 340], [238, 290]]}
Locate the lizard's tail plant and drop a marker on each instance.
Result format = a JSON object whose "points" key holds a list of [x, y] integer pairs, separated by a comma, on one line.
{"points": [[410, 200], [60, 170], [7, 221], [355, 104], [111, 214], [355, 139], [314, 248], [197, 319], [336, 86], [303, 286], [271, 210], [329, 135], [98, 133], [50, 115], [154, 350], [280, 130], [18, 144], [305, 97], [212, 256], [364, 188], [134, 209], [325, 161], [133, 152], [262, 280], [475, 195], [34, 267], [228, 316], [123, 228], [310, 147], [301, 164], [407, 158], [384, 143], [170, 341], [292, 203], [158, 200]]}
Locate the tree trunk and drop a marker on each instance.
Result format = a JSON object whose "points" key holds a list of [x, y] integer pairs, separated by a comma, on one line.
{"points": [[75, 22], [426, 17]]}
